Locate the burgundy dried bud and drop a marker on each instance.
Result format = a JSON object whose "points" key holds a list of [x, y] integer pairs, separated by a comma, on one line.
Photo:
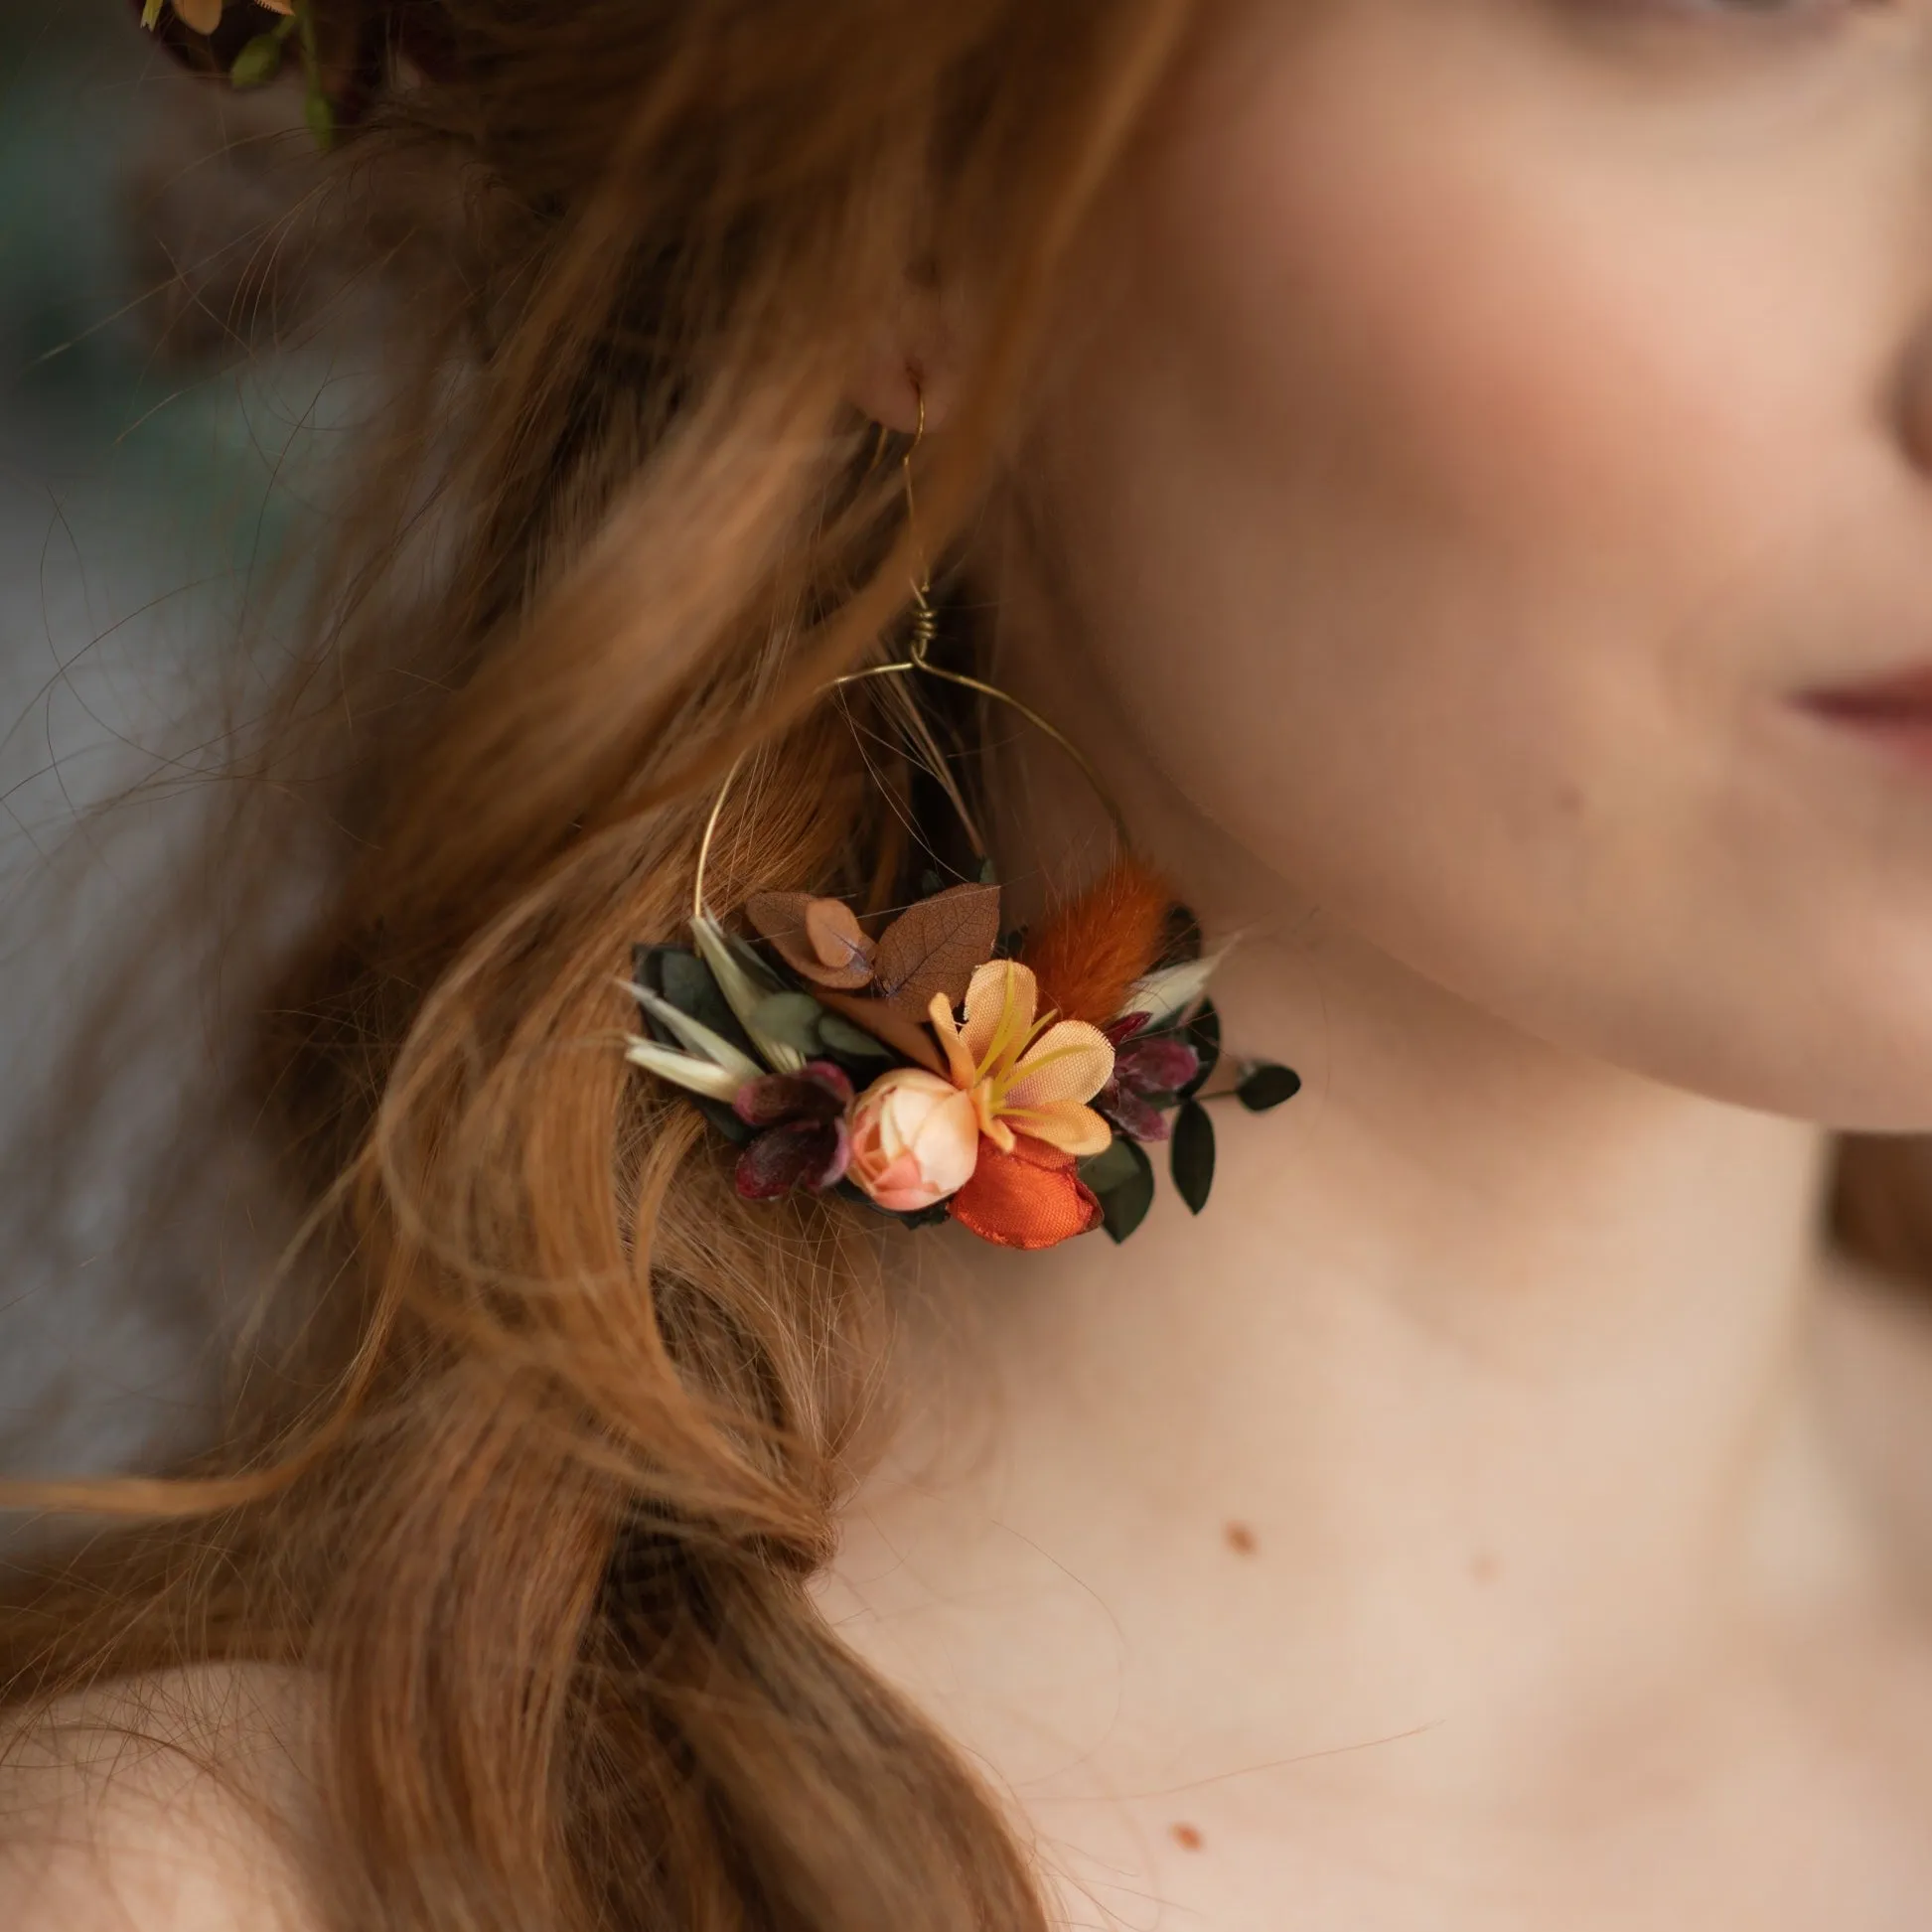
{"points": [[1136, 1117], [820, 1092], [1148, 1077], [811, 1154], [1160, 1066]]}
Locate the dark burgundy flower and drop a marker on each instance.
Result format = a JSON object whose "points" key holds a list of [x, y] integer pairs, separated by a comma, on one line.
{"points": [[1148, 1077], [801, 1135]]}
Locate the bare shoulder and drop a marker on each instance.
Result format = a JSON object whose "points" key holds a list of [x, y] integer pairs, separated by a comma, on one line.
{"points": [[171, 1803]]}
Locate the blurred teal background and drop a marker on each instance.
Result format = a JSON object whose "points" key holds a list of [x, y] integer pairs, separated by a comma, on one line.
{"points": [[155, 470], [70, 100], [148, 466], [88, 114]]}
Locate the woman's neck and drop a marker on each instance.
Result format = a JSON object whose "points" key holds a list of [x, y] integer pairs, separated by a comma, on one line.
{"points": [[1481, 1384], [1478, 1391]]}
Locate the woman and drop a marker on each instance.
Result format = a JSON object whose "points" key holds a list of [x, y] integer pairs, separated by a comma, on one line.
{"points": [[1459, 471]]}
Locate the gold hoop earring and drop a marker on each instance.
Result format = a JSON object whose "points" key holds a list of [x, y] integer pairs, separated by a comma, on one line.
{"points": [[944, 1068], [917, 663]]}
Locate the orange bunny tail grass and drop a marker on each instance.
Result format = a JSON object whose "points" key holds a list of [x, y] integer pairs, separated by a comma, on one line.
{"points": [[1092, 949]]}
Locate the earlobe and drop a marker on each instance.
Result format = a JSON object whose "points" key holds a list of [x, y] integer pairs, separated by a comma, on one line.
{"points": [[912, 361], [902, 390]]}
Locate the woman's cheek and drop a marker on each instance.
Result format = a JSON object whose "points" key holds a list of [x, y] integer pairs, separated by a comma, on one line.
{"points": [[1445, 436]]}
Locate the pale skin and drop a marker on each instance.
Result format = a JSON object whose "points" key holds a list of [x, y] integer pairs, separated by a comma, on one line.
{"points": [[1481, 422]]}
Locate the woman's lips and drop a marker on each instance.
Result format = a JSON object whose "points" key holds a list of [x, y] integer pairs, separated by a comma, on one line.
{"points": [[1893, 711]]}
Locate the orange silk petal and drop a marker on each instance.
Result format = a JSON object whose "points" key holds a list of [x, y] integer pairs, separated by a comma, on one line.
{"points": [[1030, 1198]]}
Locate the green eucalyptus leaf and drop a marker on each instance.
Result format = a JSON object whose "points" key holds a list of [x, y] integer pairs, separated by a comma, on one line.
{"points": [[795, 1018], [1264, 1085], [752, 963], [851, 1042], [1182, 941], [725, 1121], [1113, 1168], [1124, 1204], [258, 63], [1203, 1034], [647, 970], [1193, 1155], [687, 983]]}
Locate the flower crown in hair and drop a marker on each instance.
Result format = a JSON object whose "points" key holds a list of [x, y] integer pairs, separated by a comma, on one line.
{"points": [[942, 1070], [252, 42]]}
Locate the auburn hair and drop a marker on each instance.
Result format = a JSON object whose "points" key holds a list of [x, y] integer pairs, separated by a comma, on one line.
{"points": [[536, 1497]]}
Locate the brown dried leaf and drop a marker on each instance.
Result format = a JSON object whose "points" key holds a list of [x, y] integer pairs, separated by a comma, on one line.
{"points": [[819, 938], [936, 947], [890, 1023], [836, 936]]}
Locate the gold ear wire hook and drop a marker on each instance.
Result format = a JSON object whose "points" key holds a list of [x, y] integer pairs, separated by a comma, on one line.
{"points": [[925, 623], [918, 663]]}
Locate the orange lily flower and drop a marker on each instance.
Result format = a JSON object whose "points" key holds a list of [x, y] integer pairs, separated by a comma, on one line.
{"points": [[1028, 1075]]}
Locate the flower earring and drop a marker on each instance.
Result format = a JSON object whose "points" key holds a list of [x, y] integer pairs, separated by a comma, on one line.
{"points": [[941, 1068]]}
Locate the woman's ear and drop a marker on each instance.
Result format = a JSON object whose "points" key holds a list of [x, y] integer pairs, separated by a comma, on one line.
{"points": [[890, 388], [914, 358]]}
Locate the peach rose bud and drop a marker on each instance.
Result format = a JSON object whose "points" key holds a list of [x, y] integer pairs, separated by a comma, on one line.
{"points": [[915, 1140]]}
